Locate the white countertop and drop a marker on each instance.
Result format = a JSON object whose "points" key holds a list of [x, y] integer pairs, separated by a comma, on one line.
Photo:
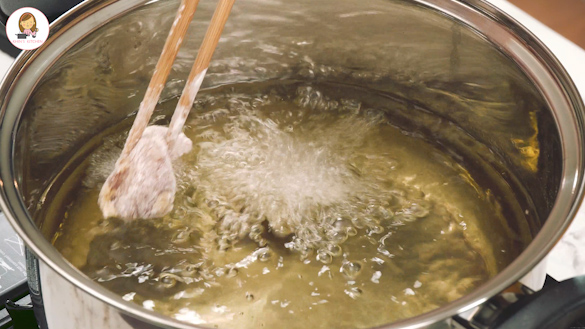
{"points": [[567, 259]]}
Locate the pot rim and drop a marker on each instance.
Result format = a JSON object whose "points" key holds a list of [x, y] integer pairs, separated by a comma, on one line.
{"points": [[529, 53]]}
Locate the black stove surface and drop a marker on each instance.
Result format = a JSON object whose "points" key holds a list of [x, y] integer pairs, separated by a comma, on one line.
{"points": [[13, 288], [12, 262]]}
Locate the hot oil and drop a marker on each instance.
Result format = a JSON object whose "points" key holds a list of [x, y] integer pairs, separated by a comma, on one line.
{"points": [[301, 205]]}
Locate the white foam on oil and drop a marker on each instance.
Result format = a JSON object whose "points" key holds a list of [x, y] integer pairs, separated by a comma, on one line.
{"points": [[278, 175], [297, 177]]}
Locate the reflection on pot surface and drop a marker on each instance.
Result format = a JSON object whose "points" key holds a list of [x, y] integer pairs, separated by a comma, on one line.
{"points": [[299, 199]]}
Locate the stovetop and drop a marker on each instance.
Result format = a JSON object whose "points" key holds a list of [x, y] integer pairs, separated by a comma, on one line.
{"points": [[13, 287]]}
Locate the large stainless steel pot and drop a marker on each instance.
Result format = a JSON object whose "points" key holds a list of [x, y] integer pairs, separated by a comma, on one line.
{"points": [[505, 100]]}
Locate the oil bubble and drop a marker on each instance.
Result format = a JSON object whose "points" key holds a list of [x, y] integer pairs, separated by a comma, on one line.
{"points": [[324, 257], [351, 231], [351, 269], [375, 229], [414, 210], [342, 224], [169, 280], [337, 236], [265, 255], [404, 217], [232, 272], [334, 250], [419, 210], [358, 223]]}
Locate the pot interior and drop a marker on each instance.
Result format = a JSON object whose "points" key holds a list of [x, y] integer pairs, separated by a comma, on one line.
{"points": [[435, 79]]}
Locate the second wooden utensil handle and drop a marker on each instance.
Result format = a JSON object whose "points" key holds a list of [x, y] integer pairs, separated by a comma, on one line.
{"points": [[199, 69], [161, 72]]}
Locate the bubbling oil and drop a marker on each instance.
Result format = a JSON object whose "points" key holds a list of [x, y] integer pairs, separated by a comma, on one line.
{"points": [[297, 208]]}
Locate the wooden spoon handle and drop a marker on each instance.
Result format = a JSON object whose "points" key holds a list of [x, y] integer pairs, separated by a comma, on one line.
{"points": [[199, 69], [161, 73]]}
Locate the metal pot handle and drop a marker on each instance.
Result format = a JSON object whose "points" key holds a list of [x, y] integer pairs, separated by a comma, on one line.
{"points": [[556, 307]]}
